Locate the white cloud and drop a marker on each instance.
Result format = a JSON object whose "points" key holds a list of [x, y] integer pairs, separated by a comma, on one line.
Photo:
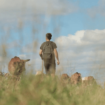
{"points": [[71, 39], [84, 51], [81, 38], [12, 10], [22, 56]]}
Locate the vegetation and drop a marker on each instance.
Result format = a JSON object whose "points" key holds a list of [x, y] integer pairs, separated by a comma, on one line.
{"points": [[22, 36], [38, 90]]}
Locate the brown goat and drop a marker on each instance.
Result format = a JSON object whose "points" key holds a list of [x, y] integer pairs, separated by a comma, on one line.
{"points": [[76, 78], [16, 66], [65, 78], [88, 80]]}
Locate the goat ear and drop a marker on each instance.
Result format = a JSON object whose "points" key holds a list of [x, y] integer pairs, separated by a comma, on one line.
{"points": [[27, 60]]}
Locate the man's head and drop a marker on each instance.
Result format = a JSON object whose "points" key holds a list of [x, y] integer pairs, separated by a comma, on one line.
{"points": [[48, 36]]}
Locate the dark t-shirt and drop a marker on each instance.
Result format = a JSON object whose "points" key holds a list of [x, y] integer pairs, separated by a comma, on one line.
{"points": [[53, 46]]}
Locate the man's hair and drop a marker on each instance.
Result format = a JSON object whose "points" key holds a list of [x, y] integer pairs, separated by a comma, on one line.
{"points": [[49, 36]]}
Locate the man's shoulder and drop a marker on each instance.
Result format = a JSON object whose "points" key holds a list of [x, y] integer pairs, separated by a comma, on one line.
{"points": [[52, 42], [41, 47]]}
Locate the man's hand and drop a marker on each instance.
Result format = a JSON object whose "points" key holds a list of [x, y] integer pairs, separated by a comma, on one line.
{"points": [[56, 55], [58, 62]]}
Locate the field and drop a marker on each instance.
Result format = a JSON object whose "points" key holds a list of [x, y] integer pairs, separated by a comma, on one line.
{"points": [[38, 90], [78, 30]]}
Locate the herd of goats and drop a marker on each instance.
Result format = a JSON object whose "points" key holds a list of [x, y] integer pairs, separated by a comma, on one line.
{"points": [[16, 66]]}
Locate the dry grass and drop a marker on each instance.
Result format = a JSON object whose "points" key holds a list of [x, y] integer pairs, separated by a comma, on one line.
{"points": [[36, 90]]}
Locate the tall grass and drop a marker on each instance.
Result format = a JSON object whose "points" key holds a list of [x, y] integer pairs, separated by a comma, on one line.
{"points": [[38, 90], [24, 38]]}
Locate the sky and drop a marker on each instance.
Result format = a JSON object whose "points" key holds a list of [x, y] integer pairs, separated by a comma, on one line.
{"points": [[77, 26]]}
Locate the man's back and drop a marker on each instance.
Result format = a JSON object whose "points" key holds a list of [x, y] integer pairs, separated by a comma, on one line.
{"points": [[53, 45]]}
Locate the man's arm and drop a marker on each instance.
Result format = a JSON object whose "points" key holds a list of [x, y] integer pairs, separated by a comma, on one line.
{"points": [[56, 55], [40, 53]]}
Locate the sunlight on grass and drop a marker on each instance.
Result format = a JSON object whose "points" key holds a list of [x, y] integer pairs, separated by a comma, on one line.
{"points": [[44, 90]]}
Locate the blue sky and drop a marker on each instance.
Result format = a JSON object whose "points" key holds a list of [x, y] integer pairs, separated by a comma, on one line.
{"points": [[73, 22], [70, 23], [85, 4]]}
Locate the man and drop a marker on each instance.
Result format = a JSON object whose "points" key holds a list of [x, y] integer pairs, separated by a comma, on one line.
{"points": [[48, 52]]}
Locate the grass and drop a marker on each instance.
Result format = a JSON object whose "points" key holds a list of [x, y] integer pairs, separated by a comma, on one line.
{"points": [[36, 90], [32, 90]]}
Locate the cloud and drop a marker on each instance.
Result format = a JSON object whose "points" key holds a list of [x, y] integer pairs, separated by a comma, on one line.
{"points": [[82, 38], [97, 10], [12, 10], [83, 51], [22, 56]]}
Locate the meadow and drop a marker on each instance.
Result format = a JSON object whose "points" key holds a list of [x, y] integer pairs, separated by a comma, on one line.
{"points": [[22, 31], [45, 90]]}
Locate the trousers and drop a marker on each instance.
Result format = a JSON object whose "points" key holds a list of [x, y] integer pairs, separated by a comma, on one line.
{"points": [[50, 68]]}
